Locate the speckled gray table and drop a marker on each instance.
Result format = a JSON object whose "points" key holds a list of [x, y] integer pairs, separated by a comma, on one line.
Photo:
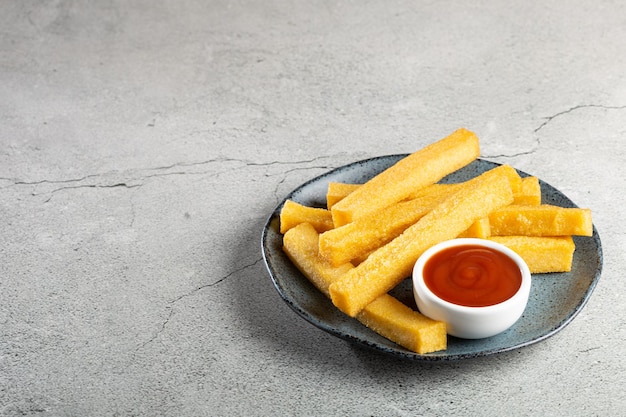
{"points": [[144, 144]]}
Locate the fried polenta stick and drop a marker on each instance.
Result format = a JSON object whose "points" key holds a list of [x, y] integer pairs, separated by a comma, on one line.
{"points": [[394, 320], [479, 229], [390, 264], [541, 220], [529, 193], [353, 240], [300, 243], [386, 315], [294, 213], [542, 254], [525, 190], [433, 189], [337, 191], [418, 170]]}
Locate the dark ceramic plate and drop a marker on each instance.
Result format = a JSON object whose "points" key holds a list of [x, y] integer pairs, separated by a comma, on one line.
{"points": [[555, 299]]}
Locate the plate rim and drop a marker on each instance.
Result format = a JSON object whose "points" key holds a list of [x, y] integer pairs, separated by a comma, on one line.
{"points": [[402, 352]]}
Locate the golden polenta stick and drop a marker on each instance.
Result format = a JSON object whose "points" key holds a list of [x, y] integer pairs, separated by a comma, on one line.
{"points": [[542, 254], [510, 172], [386, 315], [479, 229], [337, 191], [389, 265], [294, 213], [392, 319], [300, 243], [525, 189], [396, 183], [541, 220], [433, 189], [353, 240], [529, 193]]}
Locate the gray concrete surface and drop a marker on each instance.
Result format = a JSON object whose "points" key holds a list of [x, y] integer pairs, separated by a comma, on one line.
{"points": [[144, 144]]}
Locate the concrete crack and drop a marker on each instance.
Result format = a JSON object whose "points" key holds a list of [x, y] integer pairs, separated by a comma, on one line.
{"points": [[590, 349], [575, 108], [532, 150], [121, 184], [136, 178], [212, 284], [171, 303], [284, 174], [161, 329], [548, 120]]}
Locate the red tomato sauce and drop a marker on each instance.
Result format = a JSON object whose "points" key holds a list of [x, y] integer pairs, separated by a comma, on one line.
{"points": [[472, 276]]}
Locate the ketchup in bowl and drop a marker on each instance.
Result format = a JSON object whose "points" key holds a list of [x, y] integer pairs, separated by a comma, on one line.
{"points": [[478, 287], [472, 275]]}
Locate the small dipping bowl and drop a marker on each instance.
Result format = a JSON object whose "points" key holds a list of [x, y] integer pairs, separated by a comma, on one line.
{"points": [[478, 287]]}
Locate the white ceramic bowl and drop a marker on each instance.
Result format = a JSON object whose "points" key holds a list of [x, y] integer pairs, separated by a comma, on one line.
{"points": [[471, 322]]}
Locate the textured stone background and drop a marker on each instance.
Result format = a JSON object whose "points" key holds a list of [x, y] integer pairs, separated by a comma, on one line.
{"points": [[144, 144]]}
